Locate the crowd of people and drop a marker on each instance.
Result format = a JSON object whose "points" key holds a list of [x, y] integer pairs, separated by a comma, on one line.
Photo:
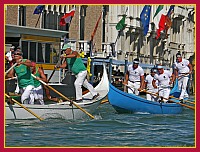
{"points": [[158, 82]]}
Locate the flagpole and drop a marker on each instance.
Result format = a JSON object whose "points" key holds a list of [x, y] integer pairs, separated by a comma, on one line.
{"points": [[38, 20], [118, 35]]}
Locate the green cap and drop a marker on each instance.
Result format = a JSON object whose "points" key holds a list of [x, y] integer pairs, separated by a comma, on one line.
{"points": [[66, 46]]}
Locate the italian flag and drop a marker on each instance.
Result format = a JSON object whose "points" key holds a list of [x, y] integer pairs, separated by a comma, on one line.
{"points": [[67, 18], [159, 19]]}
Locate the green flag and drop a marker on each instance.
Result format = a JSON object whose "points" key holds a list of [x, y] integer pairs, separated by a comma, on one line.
{"points": [[121, 24], [160, 7]]}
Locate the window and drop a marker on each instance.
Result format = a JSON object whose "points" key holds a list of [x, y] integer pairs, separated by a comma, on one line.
{"points": [[41, 52], [33, 51]]}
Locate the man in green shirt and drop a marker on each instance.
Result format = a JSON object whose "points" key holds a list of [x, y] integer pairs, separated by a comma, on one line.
{"points": [[78, 68], [25, 80]]}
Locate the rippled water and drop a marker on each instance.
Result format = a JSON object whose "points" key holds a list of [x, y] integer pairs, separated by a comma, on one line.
{"points": [[108, 129]]}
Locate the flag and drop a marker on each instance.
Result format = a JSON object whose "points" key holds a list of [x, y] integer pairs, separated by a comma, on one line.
{"points": [[161, 25], [39, 9], [96, 26], [163, 21], [168, 19], [171, 10], [67, 18], [145, 18], [157, 16], [121, 24]]}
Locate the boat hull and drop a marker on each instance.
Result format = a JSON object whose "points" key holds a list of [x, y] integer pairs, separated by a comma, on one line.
{"points": [[124, 102], [61, 110], [50, 111]]}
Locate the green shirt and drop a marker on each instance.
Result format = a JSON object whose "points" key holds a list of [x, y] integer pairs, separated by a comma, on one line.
{"points": [[76, 65], [24, 75], [36, 82]]}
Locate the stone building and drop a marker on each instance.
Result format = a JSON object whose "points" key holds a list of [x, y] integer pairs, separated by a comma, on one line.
{"points": [[128, 43]]}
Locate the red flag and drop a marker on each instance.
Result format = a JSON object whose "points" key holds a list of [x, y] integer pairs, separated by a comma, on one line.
{"points": [[161, 25], [95, 29], [168, 25], [67, 18]]}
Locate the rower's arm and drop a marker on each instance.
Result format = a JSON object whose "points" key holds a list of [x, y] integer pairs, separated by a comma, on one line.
{"points": [[42, 75], [62, 65], [28, 63], [190, 67], [11, 73], [172, 78], [154, 84], [126, 77], [142, 82], [175, 73]]}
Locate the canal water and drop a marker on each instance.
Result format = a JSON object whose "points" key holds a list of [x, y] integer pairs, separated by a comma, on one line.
{"points": [[108, 129]]}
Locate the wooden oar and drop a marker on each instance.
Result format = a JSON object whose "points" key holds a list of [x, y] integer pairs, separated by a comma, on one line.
{"points": [[104, 101], [184, 100], [64, 97], [23, 107], [10, 68], [190, 107], [58, 63], [11, 78]]}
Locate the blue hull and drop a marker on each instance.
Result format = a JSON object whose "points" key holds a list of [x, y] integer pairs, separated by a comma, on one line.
{"points": [[124, 102]]}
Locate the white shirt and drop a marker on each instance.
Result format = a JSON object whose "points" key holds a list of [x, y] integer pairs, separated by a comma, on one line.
{"points": [[134, 74], [9, 55], [163, 79], [149, 80], [182, 67]]}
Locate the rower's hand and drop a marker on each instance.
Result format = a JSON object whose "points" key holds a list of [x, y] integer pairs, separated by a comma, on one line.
{"points": [[155, 87], [19, 62], [141, 90], [125, 83], [37, 78], [190, 72], [56, 66], [170, 82], [63, 56]]}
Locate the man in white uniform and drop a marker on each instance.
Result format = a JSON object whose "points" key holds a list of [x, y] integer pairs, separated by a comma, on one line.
{"points": [[148, 84], [182, 69], [165, 79], [134, 77]]}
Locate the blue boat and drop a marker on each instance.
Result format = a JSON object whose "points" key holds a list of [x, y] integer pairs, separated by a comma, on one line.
{"points": [[124, 102]]}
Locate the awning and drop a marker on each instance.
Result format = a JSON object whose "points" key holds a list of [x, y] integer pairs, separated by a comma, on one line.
{"points": [[14, 29], [120, 63]]}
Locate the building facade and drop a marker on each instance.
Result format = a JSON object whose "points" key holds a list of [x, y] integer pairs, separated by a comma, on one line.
{"points": [[128, 43]]}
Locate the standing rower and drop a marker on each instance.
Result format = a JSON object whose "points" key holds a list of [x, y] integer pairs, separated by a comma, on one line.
{"points": [[165, 79], [134, 77], [182, 69], [78, 68]]}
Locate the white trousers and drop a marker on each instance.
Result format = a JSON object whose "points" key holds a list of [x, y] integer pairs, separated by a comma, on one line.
{"points": [[26, 92], [37, 94], [182, 85], [150, 96], [81, 80], [164, 92], [133, 87]]}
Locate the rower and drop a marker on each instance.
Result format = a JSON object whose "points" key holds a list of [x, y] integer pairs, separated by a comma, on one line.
{"points": [[165, 78], [182, 69], [38, 89], [148, 84], [25, 80], [72, 58], [134, 77]]}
